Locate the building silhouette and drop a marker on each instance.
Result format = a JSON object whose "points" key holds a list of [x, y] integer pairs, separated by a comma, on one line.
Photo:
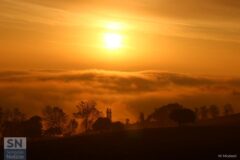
{"points": [[109, 114]]}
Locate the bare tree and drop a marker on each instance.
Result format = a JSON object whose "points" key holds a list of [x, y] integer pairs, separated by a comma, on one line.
{"points": [[71, 127], [12, 122], [17, 115], [88, 112], [55, 118], [214, 111], [13, 115]]}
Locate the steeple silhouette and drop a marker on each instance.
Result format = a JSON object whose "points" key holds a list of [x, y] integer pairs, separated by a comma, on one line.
{"points": [[109, 114]]}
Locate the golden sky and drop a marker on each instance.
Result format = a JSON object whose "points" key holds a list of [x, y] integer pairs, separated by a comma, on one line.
{"points": [[197, 37]]}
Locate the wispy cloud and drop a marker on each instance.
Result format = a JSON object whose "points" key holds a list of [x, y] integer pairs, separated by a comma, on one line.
{"points": [[22, 11], [214, 20]]}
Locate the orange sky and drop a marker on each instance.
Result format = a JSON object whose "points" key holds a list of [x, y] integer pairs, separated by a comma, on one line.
{"points": [[200, 37]]}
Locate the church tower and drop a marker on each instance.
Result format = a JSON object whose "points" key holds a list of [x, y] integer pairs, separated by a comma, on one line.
{"points": [[109, 114]]}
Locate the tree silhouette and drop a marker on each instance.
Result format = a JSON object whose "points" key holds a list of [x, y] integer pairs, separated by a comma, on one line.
{"points": [[117, 125], [203, 111], [17, 115], [33, 127], [13, 115], [88, 112], [71, 127], [228, 109], [53, 131], [163, 112], [182, 116], [102, 124], [12, 122], [214, 111], [161, 115], [55, 119]]}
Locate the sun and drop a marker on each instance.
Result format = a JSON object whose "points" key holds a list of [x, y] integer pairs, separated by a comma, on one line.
{"points": [[113, 41], [113, 37]]}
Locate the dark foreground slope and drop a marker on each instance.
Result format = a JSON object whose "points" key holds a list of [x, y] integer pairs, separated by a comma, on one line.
{"points": [[165, 143]]}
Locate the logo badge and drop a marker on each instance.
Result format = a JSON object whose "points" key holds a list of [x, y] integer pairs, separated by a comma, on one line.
{"points": [[15, 148]]}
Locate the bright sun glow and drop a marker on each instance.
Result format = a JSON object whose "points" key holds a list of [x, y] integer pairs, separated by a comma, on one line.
{"points": [[114, 26], [113, 38], [112, 41]]}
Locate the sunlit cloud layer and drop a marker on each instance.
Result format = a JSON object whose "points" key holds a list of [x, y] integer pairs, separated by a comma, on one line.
{"points": [[128, 93]]}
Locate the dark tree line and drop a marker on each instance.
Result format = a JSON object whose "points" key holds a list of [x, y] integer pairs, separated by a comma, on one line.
{"points": [[213, 111], [170, 114], [54, 121], [104, 124], [14, 123]]}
